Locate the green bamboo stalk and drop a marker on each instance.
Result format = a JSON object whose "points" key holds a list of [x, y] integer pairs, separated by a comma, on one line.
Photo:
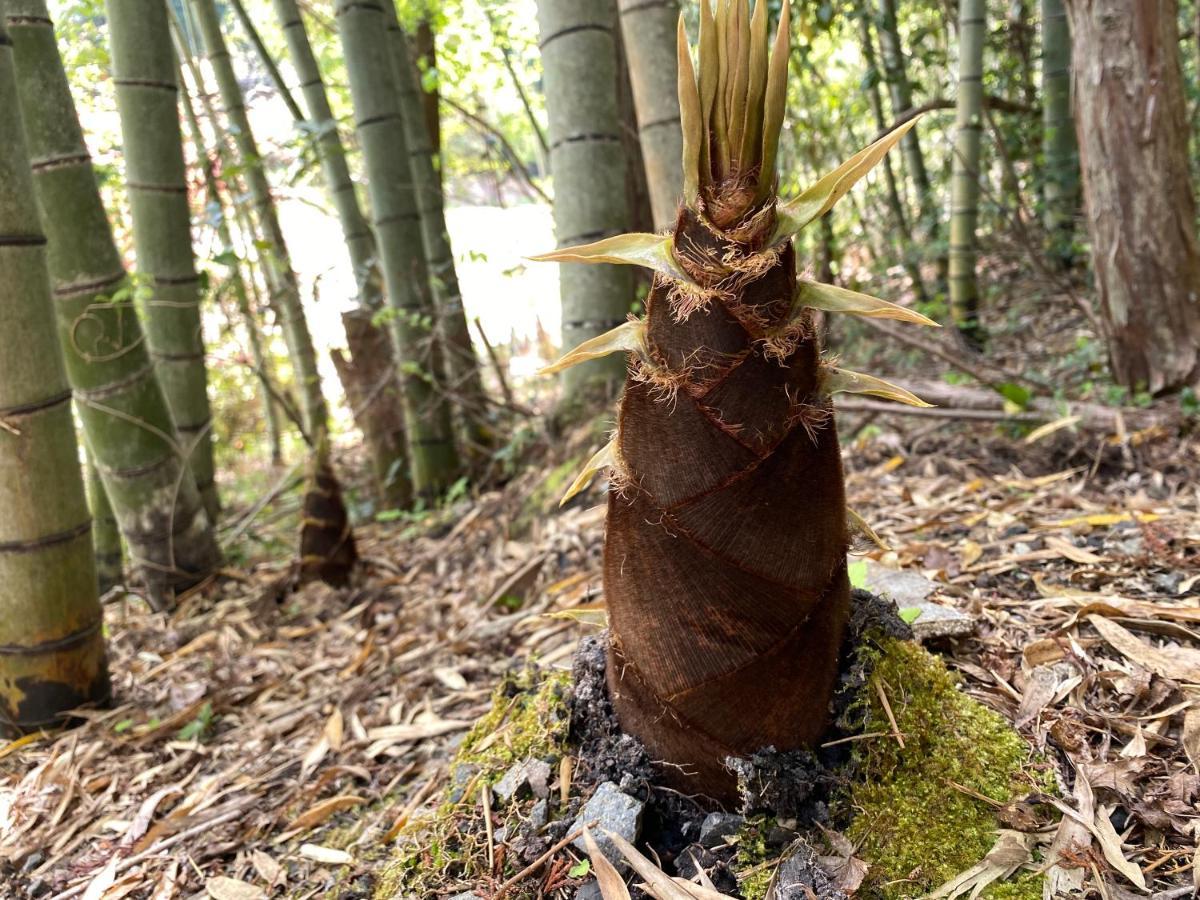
{"points": [[892, 190], [144, 74], [268, 61], [649, 32], [106, 536], [463, 371], [901, 93], [320, 123], [51, 642], [579, 71], [237, 282], [433, 459], [964, 187], [280, 274], [125, 416], [1061, 188]]}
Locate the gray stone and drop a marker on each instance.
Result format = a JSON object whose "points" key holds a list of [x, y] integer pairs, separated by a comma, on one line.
{"points": [[613, 811], [717, 826], [539, 815], [909, 590], [937, 621], [460, 778], [531, 773], [589, 890]]}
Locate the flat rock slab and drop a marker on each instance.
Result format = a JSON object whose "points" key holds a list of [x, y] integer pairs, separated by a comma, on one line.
{"points": [[909, 590]]}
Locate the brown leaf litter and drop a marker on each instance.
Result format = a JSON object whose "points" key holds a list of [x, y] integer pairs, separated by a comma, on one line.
{"points": [[271, 744]]}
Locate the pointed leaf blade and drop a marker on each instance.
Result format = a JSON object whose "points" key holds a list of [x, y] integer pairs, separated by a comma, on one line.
{"points": [[819, 199], [830, 298], [653, 251], [628, 336], [844, 381], [690, 118], [604, 458]]}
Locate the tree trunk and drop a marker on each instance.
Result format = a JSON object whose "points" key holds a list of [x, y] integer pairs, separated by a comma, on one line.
{"points": [[900, 91], [894, 201], [376, 401], [425, 55], [122, 406], [964, 187], [1061, 186], [464, 378], [388, 458], [106, 536], [648, 30], [144, 72], [51, 641], [1132, 128], [258, 355], [359, 240], [433, 460], [579, 71], [280, 274], [268, 61]]}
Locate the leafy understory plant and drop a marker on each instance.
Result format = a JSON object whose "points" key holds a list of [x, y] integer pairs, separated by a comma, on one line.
{"points": [[725, 560]]}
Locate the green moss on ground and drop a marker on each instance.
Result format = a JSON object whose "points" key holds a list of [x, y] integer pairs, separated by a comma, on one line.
{"points": [[915, 829], [528, 719], [754, 859]]}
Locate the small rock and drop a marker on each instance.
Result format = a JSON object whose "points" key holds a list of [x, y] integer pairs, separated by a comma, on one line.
{"points": [[539, 815], [937, 621], [532, 773], [589, 890], [905, 587], [800, 877], [1020, 548], [537, 776], [611, 811], [466, 895], [460, 778], [1168, 582], [717, 826]]}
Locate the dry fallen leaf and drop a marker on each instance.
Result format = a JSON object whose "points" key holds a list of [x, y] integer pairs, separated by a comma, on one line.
{"points": [[612, 886], [319, 812], [326, 855], [224, 888], [1191, 733], [270, 871], [104, 879], [1179, 665]]}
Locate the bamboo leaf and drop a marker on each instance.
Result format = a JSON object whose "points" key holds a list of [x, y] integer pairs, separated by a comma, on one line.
{"points": [[720, 121], [612, 886], [844, 381], [775, 103], [760, 36], [654, 251], [604, 458], [830, 298], [628, 336], [819, 199], [690, 119], [739, 79]]}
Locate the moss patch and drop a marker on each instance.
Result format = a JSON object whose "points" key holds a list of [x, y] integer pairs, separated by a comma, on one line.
{"points": [[528, 719], [754, 861], [914, 828]]}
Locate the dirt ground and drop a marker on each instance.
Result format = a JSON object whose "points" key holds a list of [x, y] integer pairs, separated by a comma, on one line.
{"points": [[270, 740]]}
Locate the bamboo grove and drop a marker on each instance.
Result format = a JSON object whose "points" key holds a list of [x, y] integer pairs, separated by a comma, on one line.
{"points": [[704, 269]]}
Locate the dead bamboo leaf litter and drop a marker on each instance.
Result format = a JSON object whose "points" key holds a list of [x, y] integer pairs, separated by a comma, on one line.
{"points": [[275, 740]]}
